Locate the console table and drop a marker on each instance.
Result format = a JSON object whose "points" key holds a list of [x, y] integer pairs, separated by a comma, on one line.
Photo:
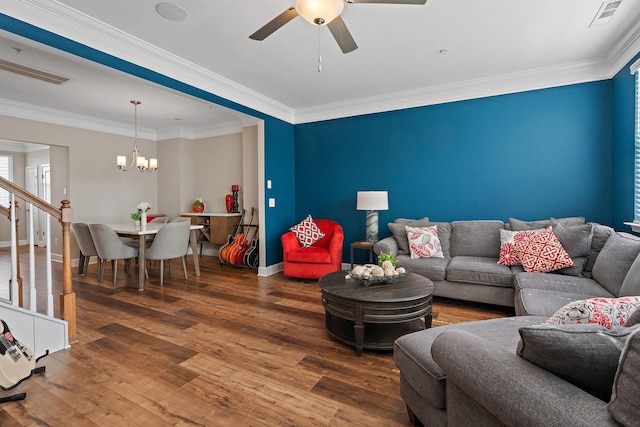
{"points": [[217, 226]]}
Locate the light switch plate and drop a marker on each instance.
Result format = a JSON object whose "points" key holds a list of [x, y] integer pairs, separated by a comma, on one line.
{"points": [[272, 202]]}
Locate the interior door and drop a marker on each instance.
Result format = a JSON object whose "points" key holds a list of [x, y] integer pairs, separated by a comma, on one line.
{"points": [[44, 192], [31, 183]]}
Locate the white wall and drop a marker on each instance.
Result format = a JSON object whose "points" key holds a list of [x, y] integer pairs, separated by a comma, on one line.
{"points": [[83, 164]]}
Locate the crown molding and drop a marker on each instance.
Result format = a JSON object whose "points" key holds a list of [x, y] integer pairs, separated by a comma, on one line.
{"points": [[67, 22], [63, 118], [220, 129], [625, 49], [79, 27], [471, 89]]}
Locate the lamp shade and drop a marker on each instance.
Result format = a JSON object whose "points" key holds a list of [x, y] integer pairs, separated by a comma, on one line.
{"points": [[372, 201], [319, 12]]}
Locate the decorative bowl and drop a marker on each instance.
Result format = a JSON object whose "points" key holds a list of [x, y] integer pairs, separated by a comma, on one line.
{"points": [[368, 280]]}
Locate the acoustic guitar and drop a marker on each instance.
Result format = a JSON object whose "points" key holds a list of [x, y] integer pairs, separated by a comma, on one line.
{"points": [[251, 257], [232, 255], [244, 247], [224, 249]]}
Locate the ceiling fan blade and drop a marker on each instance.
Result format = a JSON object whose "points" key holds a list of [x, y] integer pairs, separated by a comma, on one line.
{"points": [[274, 24], [388, 1], [342, 35]]}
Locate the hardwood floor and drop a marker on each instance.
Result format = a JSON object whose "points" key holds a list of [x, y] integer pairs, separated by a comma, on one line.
{"points": [[225, 349]]}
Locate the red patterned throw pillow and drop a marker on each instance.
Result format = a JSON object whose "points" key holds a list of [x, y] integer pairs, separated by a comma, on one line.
{"points": [[307, 232], [508, 254], [424, 242], [542, 253], [608, 312]]}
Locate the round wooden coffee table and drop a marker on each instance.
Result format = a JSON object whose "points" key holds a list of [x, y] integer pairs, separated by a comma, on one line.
{"points": [[374, 316]]}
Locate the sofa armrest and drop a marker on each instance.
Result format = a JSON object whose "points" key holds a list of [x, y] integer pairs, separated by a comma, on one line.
{"points": [[388, 245], [335, 247], [510, 388]]}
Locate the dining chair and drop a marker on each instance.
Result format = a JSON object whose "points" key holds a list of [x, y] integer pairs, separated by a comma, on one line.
{"points": [[135, 241], [87, 247], [171, 241], [110, 247]]}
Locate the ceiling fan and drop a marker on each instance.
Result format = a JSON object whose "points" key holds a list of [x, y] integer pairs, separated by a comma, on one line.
{"points": [[322, 12]]}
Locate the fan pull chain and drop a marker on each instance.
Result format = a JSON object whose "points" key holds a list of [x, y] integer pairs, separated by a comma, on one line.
{"points": [[319, 52]]}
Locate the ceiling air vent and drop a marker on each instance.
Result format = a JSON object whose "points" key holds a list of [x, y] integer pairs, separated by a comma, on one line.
{"points": [[23, 70], [605, 12]]}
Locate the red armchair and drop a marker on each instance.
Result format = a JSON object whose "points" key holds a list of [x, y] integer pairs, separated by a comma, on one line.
{"points": [[324, 256]]}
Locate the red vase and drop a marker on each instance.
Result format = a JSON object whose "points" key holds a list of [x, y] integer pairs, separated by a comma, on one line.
{"points": [[228, 200], [198, 208]]}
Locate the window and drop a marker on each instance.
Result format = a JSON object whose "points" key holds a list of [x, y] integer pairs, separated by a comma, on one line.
{"points": [[6, 171], [636, 187]]}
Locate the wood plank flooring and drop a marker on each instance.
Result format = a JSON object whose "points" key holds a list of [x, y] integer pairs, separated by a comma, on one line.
{"points": [[226, 349]]}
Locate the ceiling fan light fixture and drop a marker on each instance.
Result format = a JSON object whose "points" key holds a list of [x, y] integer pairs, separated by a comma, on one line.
{"points": [[319, 12]]}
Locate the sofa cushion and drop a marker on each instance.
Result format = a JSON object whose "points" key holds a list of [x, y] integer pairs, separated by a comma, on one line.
{"points": [[519, 225], [397, 228], [424, 242], [615, 260], [412, 352], [508, 254], [601, 234], [542, 252], [626, 385], [444, 234], [307, 232], [312, 254], [432, 268], [541, 302], [479, 270], [555, 282], [607, 312], [576, 240], [634, 318], [476, 238], [584, 355], [631, 282]]}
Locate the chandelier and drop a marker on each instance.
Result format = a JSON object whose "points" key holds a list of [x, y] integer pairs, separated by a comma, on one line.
{"points": [[143, 164]]}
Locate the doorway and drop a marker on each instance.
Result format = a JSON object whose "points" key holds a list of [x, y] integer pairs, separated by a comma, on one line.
{"points": [[38, 182]]}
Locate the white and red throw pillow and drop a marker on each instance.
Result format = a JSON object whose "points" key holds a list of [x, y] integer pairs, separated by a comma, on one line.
{"points": [[508, 254], [307, 232], [608, 312], [424, 242], [542, 252]]}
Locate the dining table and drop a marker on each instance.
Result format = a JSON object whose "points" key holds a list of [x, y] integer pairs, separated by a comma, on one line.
{"points": [[129, 229]]}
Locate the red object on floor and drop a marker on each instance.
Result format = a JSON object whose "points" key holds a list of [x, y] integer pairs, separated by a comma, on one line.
{"points": [[323, 257]]}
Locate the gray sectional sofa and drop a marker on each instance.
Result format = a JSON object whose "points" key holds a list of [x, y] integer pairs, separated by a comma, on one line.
{"points": [[477, 373]]}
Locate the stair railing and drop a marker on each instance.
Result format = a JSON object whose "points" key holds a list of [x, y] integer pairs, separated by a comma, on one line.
{"points": [[64, 215]]}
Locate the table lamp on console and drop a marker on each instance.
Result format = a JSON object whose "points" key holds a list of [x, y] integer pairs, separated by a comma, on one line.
{"points": [[372, 202]]}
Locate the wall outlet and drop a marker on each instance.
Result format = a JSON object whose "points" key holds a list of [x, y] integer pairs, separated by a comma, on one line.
{"points": [[272, 202]]}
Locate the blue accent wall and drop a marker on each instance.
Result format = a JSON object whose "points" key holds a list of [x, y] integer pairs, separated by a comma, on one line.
{"points": [[527, 155], [623, 149]]}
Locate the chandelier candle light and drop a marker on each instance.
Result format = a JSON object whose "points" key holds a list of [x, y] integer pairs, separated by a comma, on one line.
{"points": [[143, 164], [372, 201]]}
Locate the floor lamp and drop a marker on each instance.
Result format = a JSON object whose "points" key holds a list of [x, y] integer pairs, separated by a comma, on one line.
{"points": [[372, 202]]}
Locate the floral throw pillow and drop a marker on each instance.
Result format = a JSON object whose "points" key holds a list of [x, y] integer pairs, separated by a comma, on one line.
{"points": [[307, 232], [608, 312], [508, 254], [424, 242], [542, 253]]}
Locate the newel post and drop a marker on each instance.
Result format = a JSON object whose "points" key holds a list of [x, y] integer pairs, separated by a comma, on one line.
{"points": [[68, 297]]}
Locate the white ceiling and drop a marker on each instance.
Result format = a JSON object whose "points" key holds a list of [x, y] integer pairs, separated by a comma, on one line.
{"points": [[493, 47]]}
